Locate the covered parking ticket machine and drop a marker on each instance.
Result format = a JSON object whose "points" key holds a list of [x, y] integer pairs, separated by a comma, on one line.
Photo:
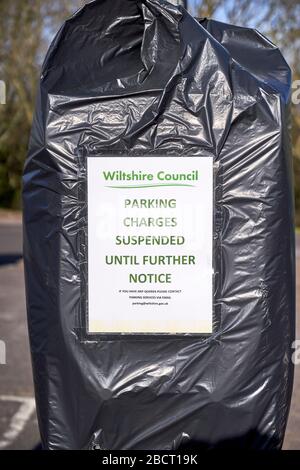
{"points": [[158, 234]]}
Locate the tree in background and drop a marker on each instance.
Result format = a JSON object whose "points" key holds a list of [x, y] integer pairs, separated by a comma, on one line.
{"points": [[25, 32], [279, 20], [25, 28]]}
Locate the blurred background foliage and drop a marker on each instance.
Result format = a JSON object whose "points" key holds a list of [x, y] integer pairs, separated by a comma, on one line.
{"points": [[26, 28]]}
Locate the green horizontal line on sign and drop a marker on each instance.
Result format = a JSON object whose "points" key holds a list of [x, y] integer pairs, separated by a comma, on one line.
{"points": [[150, 186]]}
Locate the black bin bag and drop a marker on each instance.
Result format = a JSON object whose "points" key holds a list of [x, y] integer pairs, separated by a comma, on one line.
{"points": [[144, 113]]}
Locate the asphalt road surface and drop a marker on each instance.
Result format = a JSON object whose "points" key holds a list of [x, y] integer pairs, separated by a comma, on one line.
{"points": [[18, 422]]}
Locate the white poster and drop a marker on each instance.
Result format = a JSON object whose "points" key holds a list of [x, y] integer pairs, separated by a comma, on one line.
{"points": [[150, 244]]}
